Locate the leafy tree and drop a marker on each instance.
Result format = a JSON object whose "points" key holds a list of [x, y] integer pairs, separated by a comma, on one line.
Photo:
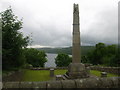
{"points": [[117, 58], [112, 53], [96, 55], [35, 57], [112, 49], [62, 60], [13, 41], [105, 55], [84, 59]]}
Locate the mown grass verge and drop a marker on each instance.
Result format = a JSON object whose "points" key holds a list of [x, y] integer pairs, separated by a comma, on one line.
{"points": [[98, 73], [43, 75]]}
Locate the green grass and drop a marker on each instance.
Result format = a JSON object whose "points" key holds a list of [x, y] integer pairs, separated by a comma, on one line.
{"points": [[39, 75], [98, 73], [36, 75], [58, 72], [43, 75]]}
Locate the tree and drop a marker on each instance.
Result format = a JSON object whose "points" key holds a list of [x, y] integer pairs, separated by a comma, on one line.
{"points": [[84, 59], [62, 60], [96, 55], [104, 54], [112, 56], [13, 41], [35, 57]]}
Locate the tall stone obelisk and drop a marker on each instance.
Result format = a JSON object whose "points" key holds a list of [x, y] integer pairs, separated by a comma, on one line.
{"points": [[76, 36], [76, 69]]}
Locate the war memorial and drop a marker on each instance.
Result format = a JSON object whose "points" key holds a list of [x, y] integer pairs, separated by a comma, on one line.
{"points": [[76, 68]]}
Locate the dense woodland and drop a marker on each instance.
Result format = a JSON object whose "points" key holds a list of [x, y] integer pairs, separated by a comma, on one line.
{"points": [[16, 55], [106, 55]]}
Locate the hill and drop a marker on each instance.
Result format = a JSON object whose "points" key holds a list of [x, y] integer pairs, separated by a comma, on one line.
{"points": [[68, 50]]}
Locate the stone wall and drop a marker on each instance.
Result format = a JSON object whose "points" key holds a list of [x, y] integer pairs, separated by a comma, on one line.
{"points": [[113, 82], [114, 70], [42, 68], [13, 76]]}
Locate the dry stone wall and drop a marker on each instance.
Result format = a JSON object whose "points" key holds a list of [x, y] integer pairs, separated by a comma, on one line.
{"points": [[41, 68], [113, 82], [114, 70]]}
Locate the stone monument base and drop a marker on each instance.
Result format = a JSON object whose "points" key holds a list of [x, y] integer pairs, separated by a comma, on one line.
{"points": [[77, 70]]}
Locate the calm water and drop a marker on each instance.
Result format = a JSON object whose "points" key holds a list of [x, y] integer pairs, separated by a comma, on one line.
{"points": [[51, 60]]}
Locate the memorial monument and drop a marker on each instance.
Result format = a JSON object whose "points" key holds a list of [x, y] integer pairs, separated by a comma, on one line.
{"points": [[76, 69]]}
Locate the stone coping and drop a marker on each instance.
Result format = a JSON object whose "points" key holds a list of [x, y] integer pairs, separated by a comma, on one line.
{"points": [[111, 82]]}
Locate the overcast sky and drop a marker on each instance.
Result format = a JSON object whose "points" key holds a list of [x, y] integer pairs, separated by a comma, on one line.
{"points": [[50, 21]]}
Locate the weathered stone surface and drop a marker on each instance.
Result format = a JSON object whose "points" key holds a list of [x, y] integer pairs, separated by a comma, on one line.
{"points": [[115, 70], [79, 83], [106, 83], [103, 74], [11, 85], [88, 83], [68, 84], [118, 81], [39, 85], [54, 84], [76, 55], [115, 82], [51, 72], [76, 67], [26, 84], [77, 70], [88, 71], [1, 85], [112, 82], [59, 77]]}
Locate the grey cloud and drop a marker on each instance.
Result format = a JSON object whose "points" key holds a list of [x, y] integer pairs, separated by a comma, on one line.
{"points": [[104, 29], [53, 27]]}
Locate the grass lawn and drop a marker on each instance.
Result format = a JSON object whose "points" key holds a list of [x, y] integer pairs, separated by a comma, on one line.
{"points": [[39, 75], [98, 73], [36, 75], [57, 72], [43, 75]]}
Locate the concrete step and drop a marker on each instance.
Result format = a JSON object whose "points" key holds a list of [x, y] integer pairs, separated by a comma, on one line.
{"points": [[66, 76]]}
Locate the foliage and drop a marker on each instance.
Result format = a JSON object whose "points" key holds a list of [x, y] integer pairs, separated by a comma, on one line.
{"points": [[62, 60], [104, 54], [35, 57], [13, 41], [84, 59]]}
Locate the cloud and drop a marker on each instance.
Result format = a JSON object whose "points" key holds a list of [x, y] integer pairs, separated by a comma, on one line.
{"points": [[104, 29], [50, 21]]}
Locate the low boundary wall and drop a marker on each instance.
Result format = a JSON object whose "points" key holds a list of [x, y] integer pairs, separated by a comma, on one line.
{"points": [[49, 68], [113, 82], [114, 70]]}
